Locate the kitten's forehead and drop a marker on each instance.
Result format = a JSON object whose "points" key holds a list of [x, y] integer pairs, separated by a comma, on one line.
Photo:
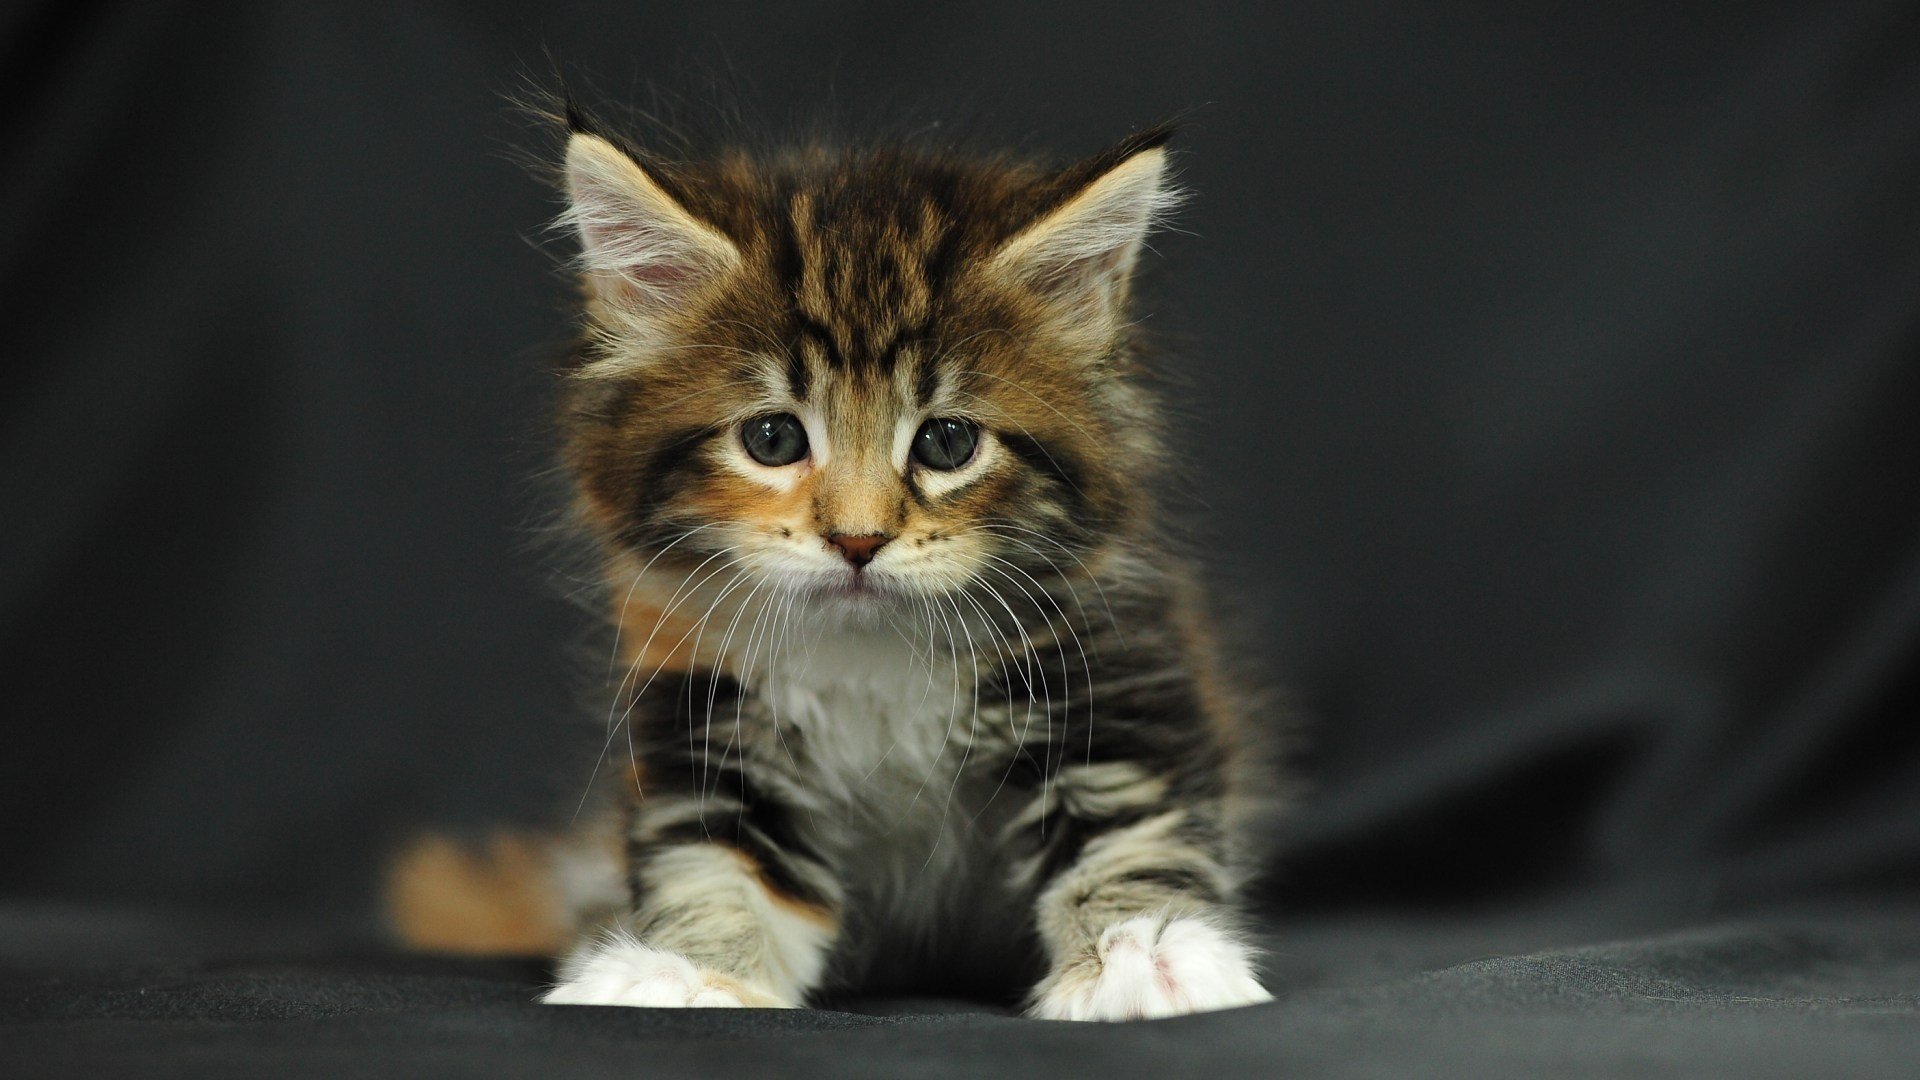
{"points": [[907, 375], [863, 278], [873, 265], [864, 281]]}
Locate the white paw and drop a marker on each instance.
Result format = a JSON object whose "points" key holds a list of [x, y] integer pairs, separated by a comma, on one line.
{"points": [[1150, 966], [618, 970]]}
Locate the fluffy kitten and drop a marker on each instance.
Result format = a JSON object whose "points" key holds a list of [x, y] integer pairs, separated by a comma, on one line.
{"points": [[916, 694]]}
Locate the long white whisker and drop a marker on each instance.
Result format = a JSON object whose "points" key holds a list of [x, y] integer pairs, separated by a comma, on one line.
{"points": [[782, 649], [1008, 656], [947, 735], [721, 657], [706, 747], [1047, 770], [619, 619], [641, 693], [972, 725], [616, 725], [691, 584], [1059, 573], [1030, 653]]}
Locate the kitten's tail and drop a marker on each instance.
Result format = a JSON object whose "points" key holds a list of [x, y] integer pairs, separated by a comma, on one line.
{"points": [[514, 894]]}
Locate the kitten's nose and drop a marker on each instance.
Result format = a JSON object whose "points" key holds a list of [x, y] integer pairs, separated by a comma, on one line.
{"points": [[859, 550]]}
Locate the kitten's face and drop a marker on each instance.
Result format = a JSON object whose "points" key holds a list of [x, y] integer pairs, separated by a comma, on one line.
{"points": [[864, 384]]}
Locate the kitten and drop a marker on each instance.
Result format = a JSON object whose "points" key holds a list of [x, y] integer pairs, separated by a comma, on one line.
{"points": [[916, 692]]}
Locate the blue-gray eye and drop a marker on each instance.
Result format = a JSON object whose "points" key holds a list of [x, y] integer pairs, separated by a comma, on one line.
{"points": [[945, 444], [777, 439]]}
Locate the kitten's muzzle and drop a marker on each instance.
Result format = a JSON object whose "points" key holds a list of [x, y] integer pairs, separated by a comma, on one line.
{"points": [[859, 550]]}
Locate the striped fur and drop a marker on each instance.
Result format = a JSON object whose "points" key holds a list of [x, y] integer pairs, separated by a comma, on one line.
{"points": [[1002, 753]]}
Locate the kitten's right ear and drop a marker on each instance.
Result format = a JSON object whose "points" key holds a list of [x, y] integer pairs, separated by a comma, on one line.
{"points": [[638, 246]]}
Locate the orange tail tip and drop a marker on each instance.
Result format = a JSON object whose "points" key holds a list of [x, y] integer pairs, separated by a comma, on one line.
{"points": [[491, 899]]}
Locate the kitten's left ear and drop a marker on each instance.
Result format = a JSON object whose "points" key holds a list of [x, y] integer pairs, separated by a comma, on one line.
{"points": [[1080, 255]]}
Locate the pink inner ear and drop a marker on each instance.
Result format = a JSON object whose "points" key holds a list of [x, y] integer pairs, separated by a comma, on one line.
{"points": [[1063, 281], [663, 276], [1074, 272], [651, 276]]}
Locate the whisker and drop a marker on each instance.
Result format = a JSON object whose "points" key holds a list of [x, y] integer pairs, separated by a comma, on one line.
{"points": [[706, 748], [619, 622], [690, 585], [1026, 729], [1047, 769], [614, 726], [713, 685], [972, 724], [1000, 523], [947, 735]]}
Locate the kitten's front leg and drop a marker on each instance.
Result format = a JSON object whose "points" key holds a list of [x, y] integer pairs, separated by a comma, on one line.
{"points": [[1138, 924], [728, 912]]}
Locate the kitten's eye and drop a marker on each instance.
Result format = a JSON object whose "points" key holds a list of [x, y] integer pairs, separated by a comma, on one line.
{"points": [[777, 439], [945, 444]]}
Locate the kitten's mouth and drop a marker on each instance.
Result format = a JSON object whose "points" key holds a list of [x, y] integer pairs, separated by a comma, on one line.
{"points": [[855, 584], [859, 591]]}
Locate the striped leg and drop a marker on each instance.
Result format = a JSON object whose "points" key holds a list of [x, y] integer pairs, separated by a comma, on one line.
{"points": [[730, 908], [1136, 919], [711, 932]]}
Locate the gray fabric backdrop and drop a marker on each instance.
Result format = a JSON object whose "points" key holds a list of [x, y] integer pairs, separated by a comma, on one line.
{"points": [[1550, 383]]}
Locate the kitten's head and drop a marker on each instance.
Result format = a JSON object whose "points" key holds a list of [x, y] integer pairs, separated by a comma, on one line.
{"points": [[865, 377]]}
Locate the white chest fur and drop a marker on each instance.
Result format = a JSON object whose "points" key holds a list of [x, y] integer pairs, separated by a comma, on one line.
{"points": [[888, 741], [872, 713]]}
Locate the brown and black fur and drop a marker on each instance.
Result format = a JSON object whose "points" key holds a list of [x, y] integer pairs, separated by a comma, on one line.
{"points": [[1097, 758]]}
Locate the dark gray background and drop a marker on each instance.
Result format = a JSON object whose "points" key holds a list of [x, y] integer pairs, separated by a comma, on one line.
{"points": [[1550, 383]]}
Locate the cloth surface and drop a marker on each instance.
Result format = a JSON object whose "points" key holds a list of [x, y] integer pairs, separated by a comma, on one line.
{"points": [[1548, 384], [1832, 991]]}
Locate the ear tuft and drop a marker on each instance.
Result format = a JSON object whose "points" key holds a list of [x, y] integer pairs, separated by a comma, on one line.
{"points": [[638, 244], [575, 117], [1080, 256]]}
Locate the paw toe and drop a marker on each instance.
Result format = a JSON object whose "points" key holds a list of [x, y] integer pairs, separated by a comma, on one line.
{"points": [[1146, 968], [714, 997], [620, 971]]}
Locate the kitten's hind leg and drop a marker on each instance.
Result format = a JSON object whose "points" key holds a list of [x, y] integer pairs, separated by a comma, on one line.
{"points": [[716, 922]]}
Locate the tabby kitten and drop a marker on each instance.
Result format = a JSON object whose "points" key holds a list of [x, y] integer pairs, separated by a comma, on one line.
{"points": [[915, 692]]}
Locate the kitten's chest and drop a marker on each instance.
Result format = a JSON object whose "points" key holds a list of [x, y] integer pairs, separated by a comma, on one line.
{"points": [[903, 770], [864, 717], [897, 759]]}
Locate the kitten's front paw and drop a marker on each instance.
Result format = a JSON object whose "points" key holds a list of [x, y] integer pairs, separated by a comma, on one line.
{"points": [[619, 970], [1150, 966]]}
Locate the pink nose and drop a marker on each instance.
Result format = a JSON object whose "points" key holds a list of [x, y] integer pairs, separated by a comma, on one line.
{"points": [[859, 550]]}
